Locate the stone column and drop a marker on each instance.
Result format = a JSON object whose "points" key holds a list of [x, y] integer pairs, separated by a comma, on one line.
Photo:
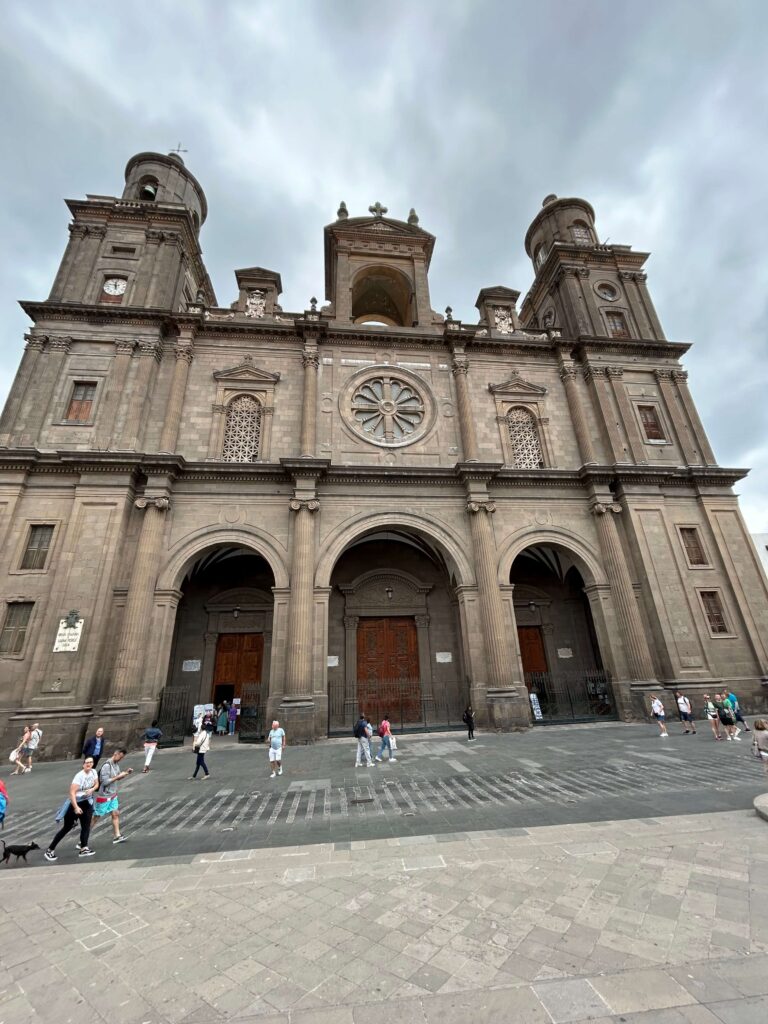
{"points": [[615, 376], [425, 660], [43, 405], [350, 661], [311, 361], [671, 401], [115, 389], [297, 705], [24, 374], [466, 421], [637, 654], [149, 357], [680, 377], [576, 408], [595, 376], [637, 288], [126, 683], [170, 435]]}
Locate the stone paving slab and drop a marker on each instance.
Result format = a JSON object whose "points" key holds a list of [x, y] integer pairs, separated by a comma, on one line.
{"points": [[601, 921]]}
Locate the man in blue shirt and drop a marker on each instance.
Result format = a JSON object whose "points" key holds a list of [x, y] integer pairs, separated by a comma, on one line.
{"points": [[94, 746], [276, 742]]}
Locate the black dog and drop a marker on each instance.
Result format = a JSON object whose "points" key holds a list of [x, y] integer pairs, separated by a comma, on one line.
{"points": [[17, 851]]}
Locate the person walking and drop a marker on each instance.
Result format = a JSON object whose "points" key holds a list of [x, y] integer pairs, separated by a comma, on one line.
{"points": [[737, 711], [727, 717], [712, 716], [276, 744], [362, 732], [760, 741], [106, 799], [686, 712], [94, 747], [232, 718], [201, 745], [468, 718], [152, 737], [80, 809], [26, 735], [657, 710], [385, 733]]}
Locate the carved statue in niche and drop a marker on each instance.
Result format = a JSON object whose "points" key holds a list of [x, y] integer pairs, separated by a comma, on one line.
{"points": [[548, 320], [503, 318], [256, 304]]}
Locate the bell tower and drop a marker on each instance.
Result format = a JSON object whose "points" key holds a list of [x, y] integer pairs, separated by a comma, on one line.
{"points": [[376, 270], [586, 288], [141, 249]]}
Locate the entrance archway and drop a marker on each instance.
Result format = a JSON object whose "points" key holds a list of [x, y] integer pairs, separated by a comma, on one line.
{"points": [[561, 659], [394, 635], [222, 639]]}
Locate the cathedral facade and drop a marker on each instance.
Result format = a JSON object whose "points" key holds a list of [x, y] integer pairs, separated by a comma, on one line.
{"points": [[362, 505]]}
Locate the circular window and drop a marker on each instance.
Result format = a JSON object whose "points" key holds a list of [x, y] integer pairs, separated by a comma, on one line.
{"points": [[387, 406], [607, 291]]}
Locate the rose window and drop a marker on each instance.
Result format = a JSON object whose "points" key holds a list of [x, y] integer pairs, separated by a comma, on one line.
{"points": [[387, 409]]}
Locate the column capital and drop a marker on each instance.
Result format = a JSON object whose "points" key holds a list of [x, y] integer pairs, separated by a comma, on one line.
{"points": [[77, 230], [161, 503], [615, 372], [310, 359], [154, 236], [296, 505], [351, 621], [599, 508], [567, 373], [662, 374], [35, 342], [481, 506], [422, 621], [61, 344], [680, 376], [593, 373], [183, 352], [459, 366], [124, 348], [150, 348]]}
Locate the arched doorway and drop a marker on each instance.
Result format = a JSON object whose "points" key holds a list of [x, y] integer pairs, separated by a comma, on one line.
{"points": [[393, 634], [561, 661], [222, 639]]}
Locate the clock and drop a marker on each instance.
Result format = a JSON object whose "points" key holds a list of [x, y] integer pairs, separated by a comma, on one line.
{"points": [[115, 286]]}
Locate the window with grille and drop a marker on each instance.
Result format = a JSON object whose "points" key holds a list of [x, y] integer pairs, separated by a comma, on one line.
{"points": [[80, 407], [524, 439], [15, 627], [617, 325], [581, 233], [649, 417], [540, 255], [242, 433], [38, 545], [694, 552], [713, 609]]}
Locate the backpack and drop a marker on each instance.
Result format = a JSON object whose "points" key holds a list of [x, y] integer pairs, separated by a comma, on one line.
{"points": [[382, 730]]}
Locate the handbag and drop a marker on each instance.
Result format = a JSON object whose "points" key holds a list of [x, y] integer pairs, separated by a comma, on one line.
{"points": [[393, 742], [14, 756]]}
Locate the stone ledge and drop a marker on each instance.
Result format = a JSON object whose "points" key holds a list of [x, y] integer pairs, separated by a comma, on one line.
{"points": [[761, 806]]}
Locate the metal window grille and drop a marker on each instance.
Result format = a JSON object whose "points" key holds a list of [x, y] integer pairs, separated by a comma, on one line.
{"points": [[242, 433], [713, 609], [38, 545], [524, 439], [617, 325], [693, 549], [581, 234], [15, 627]]}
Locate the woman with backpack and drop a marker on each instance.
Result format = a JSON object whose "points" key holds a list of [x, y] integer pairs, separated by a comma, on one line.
{"points": [[201, 744], [726, 715], [385, 735]]}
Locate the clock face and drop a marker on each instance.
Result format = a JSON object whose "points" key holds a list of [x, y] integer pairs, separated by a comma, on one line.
{"points": [[115, 286]]}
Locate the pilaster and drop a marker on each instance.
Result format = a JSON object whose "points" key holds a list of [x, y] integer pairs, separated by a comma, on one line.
{"points": [[680, 377], [183, 351], [460, 369]]}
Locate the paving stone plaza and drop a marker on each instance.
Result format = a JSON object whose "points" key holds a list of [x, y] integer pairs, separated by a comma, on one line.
{"points": [[568, 874]]}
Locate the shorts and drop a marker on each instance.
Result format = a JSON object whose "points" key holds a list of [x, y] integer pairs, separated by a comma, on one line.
{"points": [[26, 751], [102, 807], [275, 755], [659, 718], [686, 716]]}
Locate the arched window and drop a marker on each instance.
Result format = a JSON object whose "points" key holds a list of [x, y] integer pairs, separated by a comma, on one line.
{"points": [[539, 255], [242, 433], [580, 233], [524, 439], [148, 188]]}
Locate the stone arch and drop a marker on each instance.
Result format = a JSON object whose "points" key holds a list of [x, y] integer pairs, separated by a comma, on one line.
{"points": [[192, 546], [351, 529], [589, 561], [383, 293]]}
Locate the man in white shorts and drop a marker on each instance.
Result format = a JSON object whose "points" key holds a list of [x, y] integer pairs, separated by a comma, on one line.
{"points": [[276, 741]]}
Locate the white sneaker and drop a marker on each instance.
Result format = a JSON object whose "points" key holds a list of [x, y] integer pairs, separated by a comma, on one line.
{"points": [[664, 735], [737, 733], [378, 758], [272, 775], [729, 738], [393, 760], [279, 771], [737, 738]]}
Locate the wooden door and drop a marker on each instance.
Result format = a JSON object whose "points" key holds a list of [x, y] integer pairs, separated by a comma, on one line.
{"points": [[532, 649], [238, 666], [388, 679]]}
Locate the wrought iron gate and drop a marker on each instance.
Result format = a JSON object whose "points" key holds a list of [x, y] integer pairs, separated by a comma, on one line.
{"points": [[173, 716], [402, 699], [570, 696], [251, 725]]}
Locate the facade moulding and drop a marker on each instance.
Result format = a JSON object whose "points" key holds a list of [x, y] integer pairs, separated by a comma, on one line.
{"points": [[586, 344]]}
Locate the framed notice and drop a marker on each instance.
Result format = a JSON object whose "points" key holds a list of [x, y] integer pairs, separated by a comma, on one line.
{"points": [[68, 635]]}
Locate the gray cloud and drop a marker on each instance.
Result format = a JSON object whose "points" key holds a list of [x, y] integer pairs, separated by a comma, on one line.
{"points": [[470, 111]]}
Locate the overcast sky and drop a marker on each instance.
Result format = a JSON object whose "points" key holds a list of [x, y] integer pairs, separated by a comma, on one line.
{"points": [[469, 110]]}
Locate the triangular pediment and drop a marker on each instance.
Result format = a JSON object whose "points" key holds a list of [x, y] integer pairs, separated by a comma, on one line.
{"points": [[246, 371], [517, 385]]}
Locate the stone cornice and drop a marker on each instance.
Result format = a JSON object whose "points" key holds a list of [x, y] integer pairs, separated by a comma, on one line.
{"points": [[588, 343]]}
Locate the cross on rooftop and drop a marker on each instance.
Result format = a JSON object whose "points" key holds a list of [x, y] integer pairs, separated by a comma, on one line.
{"points": [[377, 209], [179, 150]]}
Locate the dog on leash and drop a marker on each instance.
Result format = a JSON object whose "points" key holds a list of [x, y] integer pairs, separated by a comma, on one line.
{"points": [[17, 851]]}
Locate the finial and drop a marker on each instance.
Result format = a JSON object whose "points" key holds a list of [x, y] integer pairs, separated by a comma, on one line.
{"points": [[313, 304], [177, 151], [377, 209], [412, 218], [448, 313], [549, 199], [342, 213]]}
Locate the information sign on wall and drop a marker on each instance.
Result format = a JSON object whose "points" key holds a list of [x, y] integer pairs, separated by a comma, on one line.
{"points": [[68, 635]]}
